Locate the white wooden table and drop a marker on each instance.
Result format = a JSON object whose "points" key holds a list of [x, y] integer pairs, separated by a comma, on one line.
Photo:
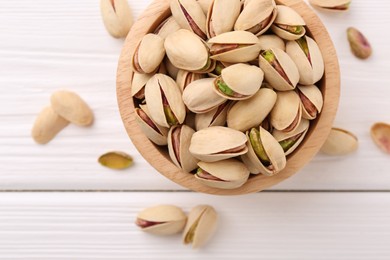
{"points": [[57, 202]]}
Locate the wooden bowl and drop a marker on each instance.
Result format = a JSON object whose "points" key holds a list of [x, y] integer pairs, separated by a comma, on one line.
{"points": [[158, 157]]}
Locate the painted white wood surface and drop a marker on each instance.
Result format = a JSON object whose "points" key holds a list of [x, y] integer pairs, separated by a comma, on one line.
{"points": [[281, 225], [47, 45]]}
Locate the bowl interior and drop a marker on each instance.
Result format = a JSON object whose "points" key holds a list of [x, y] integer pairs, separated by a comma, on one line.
{"points": [[158, 157]]}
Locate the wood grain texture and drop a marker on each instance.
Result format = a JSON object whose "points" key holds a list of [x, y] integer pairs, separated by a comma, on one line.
{"points": [[157, 12]]}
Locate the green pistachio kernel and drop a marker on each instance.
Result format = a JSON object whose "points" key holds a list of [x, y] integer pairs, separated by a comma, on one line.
{"points": [[254, 137]]}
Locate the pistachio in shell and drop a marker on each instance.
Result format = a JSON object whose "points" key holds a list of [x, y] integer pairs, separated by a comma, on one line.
{"points": [[215, 117], [205, 5], [234, 47], [199, 96], [163, 98], [265, 155], [149, 54], [190, 16], [311, 101], [288, 25], [249, 113], [225, 174], [279, 69], [380, 134], [340, 142], [187, 51], [221, 16], [201, 225], [239, 81], [184, 78], [331, 5], [179, 138], [359, 44], [161, 220], [287, 112], [117, 17], [307, 56], [217, 143], [138, 84], [116, 160], [257, 16], [167, 27], [291, 140], [269, 41]]}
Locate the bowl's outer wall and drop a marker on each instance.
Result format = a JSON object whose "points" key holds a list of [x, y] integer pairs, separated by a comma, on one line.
{"points": [[330, 87]]}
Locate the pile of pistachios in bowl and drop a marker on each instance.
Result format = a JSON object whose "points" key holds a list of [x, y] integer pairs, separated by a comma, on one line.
{"points": [[229, 90]]}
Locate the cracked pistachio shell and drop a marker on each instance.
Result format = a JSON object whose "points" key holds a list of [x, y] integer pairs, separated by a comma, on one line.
{"points": [[138, 84], [380, 134], [199, 96], [215, 117], [217, 143], [187, 51], [247, 47], [158, 86], [205, 5], [242, 80], [311, 101], [149, 54], [273, 151], [190, 16], [270, 41], [221, 16], [273, 77], [184, 78], [225, 174], [249, 113], [116, 160], [288, 17], [167, 27], [162, 220], [156, 133], [201, 225], [257, 16], [311, 64], [179, 139], [340, 142], [287, 112], [291, 140], [331, 5]]}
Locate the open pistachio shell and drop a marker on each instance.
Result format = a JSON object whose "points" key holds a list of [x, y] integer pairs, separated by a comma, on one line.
{"points": [[308, 58], [331, 5], [164, 101], [265, 155], [217, 143], [215, 117], [287, 112], [167, 27], [311, 101], [279, 69], [225, 174], [138, 84], [239, 81], [380, 134], [221, 16], [187, 51], [291, 140], [190, 16], [199, 96], [257, 16], [184, 78], [201, 225], [288, 24], [179, 138], [161, 220], [340, 142], [251, 112], [234, 47], [270, 41], [149, 54], [157, 134]]}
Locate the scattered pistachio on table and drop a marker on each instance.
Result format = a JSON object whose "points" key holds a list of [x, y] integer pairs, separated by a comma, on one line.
{"points": [[340, 142], [359, 44], [117, 17], [380, 134], [331, 5], [116, 160]]}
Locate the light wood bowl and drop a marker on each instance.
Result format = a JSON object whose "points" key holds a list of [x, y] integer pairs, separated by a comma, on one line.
{"points": [[158, 157]]}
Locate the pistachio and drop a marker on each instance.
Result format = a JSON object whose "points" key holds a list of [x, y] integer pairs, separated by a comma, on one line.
{"points": [[116, 160], [270, 41], [221, 16], [215, 117], [161, 220], [288, 24], [311, 101], [359, 44], [340, 142], [167, 27], [138, 84], [380, 134], [205, 5], [184, 78], [291, 140], [333, 5], [117, 17], [287, 112], [172, 71], [157, 134], [201, 225], [47, 125], [70, 106], [149, 54]]}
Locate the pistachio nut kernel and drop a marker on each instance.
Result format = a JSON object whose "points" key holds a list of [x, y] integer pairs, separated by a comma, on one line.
{"points": [[161, 220], [149, 54], [380, 134], [255, 140], [359, 44], [332, 5], [288, 24], [340, 142], [116, 160], [157, 134], [290, 141], [221, 16]]}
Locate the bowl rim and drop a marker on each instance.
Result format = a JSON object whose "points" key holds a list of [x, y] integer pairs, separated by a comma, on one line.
{"points": [[156, 12]]}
